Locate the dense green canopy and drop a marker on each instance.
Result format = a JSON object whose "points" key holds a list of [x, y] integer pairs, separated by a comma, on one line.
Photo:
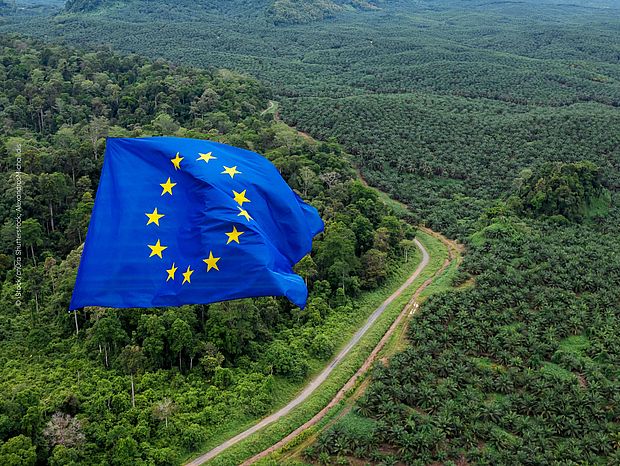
{"points": [[496, 122], [149, 386]]}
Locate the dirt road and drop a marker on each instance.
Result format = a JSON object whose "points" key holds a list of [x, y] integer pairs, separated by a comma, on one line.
{"points": [[315, 383]]}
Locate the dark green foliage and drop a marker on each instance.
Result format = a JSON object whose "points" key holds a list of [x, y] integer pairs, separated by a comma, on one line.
{"points": [[149, 386], [351, 435], [442, 103], [455, 153], [46, 108], [278, 11], [77, 6], [520, 368], [566, 189], [304, 11]]}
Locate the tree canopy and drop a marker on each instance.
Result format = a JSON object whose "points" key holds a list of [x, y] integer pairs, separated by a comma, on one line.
{"points": [[149, 386]]}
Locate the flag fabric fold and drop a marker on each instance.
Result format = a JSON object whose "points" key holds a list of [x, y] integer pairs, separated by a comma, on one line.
{"points": [[182, 221]]}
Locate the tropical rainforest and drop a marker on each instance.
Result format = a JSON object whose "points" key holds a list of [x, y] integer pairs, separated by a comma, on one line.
{"points": [[496, 123], [149, 386]]}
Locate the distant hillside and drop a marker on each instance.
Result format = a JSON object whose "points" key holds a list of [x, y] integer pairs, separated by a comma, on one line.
{"points": [[81, 6], [278, 11], [304, 11]]}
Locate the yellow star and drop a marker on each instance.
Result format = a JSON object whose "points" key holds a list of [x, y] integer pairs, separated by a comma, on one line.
{"points": [[171, 271], [240, 197], [154, 217], [234, 235], [177, 161], [211, 261], [206, 157], [244, 213], [167, 187], [232, 171], [186, 275], [157, 249]]}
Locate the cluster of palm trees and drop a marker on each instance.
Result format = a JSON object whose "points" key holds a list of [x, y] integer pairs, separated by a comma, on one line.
{"points": [[518, 369]]}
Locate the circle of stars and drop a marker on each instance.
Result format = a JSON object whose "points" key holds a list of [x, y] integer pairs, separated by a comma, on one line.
{"points": [[154, 218]]}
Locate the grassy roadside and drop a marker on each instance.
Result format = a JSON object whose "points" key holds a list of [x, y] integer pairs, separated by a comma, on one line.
{"points": [[271, 434]]}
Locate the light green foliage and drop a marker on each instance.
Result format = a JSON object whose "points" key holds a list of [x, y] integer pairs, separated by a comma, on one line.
{"points": [[18, 451], [286, 360], [322, 346], [352, 434], [575, 344]]}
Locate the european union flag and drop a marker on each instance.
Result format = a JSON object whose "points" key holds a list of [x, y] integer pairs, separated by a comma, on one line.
{"points": [[182, 221]]}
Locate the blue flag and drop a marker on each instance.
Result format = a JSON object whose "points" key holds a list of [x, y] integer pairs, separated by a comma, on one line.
{"points": [[182, 221]]}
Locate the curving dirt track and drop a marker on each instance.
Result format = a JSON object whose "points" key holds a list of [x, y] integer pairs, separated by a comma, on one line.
{"points": [[454, 250], [315, 383]]}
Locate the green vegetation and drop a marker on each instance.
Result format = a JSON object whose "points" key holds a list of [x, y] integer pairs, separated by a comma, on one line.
{"points": [[152, 385], [561, 189], [86, 5], [304, 11], [538, 328], [278, 11], [341, 374], [496, 123], [441, 103]]}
